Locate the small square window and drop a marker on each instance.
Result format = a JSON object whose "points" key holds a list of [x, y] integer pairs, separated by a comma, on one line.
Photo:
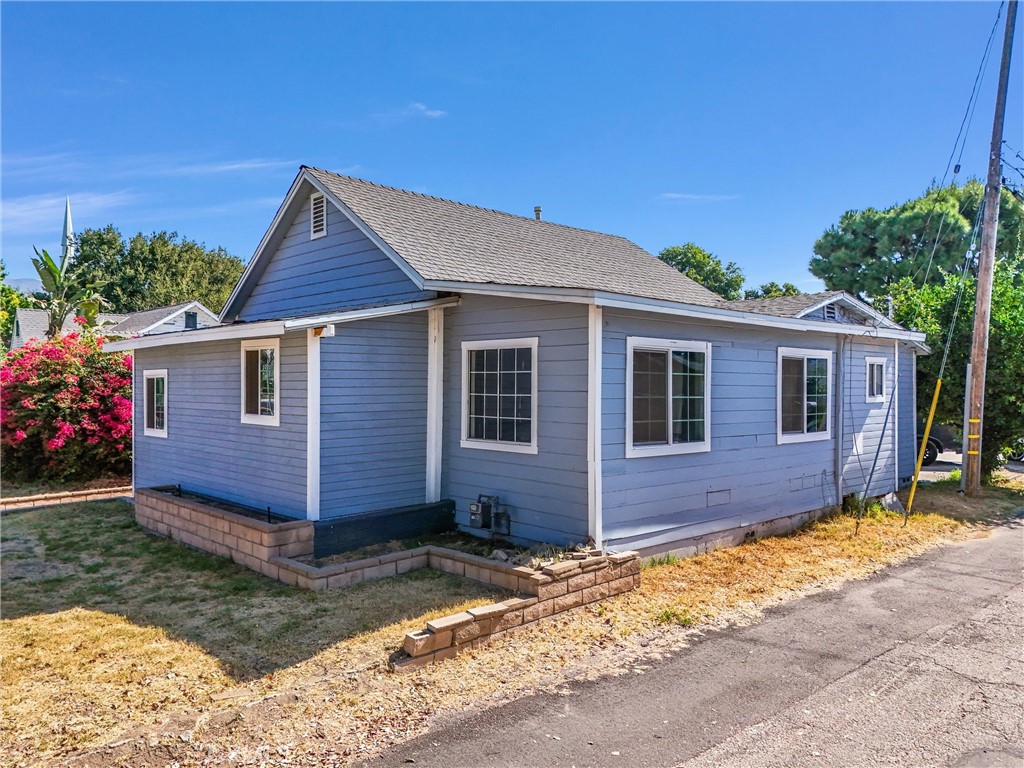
{"points": [[154, 403]]}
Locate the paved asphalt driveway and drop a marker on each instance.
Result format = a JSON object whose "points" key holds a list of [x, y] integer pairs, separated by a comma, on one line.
{"points": [[921, 665]]}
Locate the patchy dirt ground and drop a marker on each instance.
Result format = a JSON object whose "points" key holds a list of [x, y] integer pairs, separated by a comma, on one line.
{"points": [[155, 654]]}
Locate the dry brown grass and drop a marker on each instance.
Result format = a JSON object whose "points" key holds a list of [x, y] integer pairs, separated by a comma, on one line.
{"points": [[181, 685]]}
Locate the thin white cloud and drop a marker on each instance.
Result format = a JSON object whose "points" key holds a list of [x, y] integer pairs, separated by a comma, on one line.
{"points": [[414, 110], [685, 197], [229, 166], [43, 214], [71, 166]]}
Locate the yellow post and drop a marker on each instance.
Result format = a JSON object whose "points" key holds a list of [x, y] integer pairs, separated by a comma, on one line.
{"points": [[924, 445]]}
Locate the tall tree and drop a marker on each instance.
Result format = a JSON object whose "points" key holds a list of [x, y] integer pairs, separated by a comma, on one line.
{"points": [[870, 250], [705, 268], [156, 270], [772, 290], [930, 310]]}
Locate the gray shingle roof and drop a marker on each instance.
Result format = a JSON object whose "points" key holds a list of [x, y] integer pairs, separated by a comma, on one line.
{"points": [[32, 324], [448, 241], [137, 322], [781, 306]]}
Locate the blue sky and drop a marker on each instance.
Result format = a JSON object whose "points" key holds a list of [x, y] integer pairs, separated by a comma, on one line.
{"points": [[747, 128]]}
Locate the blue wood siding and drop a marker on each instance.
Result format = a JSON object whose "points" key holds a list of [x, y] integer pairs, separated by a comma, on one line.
{"points": [[342, 269], [908, 416], [373, 415], [746, 477], [207, 448], [546, 493], [866, 433]]}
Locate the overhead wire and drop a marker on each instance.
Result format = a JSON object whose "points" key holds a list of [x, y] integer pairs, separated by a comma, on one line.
{"points": [[961, 143]]}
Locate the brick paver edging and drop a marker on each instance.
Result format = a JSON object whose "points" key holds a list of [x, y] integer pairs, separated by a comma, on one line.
{"points": [[560, 587], [65, 497]]}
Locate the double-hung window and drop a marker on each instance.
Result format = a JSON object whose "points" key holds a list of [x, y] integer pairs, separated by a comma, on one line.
{"points": [[499, 395], [804, 395], [668, 396], [875, 368], [154, 403], [261, 376]]}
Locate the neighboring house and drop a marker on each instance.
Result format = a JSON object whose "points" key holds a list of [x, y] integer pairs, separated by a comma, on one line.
{"points": [[188, 315], [32, 323], [385, 348]]}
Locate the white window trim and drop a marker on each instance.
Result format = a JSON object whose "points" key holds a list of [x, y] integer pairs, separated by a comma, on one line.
{"points": [[313, 198], [157, 373], [805, 437], [868, 397], [501, 445], [666, 345], [252, 418]]}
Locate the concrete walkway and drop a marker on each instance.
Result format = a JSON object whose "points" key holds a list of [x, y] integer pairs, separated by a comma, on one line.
{"points": [[922, 665]]}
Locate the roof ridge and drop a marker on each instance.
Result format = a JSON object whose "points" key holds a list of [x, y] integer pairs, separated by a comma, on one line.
{"points": [[466, 205]]}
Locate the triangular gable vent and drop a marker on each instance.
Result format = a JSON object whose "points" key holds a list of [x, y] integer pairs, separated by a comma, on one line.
{"points": [[318, 216]]}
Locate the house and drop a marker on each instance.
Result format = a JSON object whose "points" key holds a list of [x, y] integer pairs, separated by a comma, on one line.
{"points": [[32, 323], [385, 348], [187, 315]]}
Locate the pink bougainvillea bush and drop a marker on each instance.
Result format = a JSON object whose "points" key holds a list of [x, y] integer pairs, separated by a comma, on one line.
{"points": [[65, 410]]}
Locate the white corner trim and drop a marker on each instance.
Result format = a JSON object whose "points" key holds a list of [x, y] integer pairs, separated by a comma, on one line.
{"points": [[868, 362], [435, 402], [667, 448], [896, 416], [499, 445], [595, 491], [803, 437], [156, 373], [253, 418], [312, 425]]}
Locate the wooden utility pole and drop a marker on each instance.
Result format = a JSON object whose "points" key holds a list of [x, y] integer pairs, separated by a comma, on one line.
{"points": [[983, 301]]}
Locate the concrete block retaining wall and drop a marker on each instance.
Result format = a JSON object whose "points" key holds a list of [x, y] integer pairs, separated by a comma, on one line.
{"points": [[557, 588], [253, 543]]}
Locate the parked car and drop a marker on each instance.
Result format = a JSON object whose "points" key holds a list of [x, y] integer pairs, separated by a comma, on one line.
{"points": [[942, 438], [1016, 450]]}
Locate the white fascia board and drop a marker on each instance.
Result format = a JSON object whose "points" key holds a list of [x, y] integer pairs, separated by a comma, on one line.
{"points": [[363, 227], [371, 312], [216, 333], [618, 301], [292, 192]]}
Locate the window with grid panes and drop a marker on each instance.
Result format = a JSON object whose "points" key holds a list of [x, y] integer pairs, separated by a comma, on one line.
{"points": [[500, 397]]}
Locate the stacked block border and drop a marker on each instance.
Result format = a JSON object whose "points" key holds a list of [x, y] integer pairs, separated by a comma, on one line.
{"points": [[557, 588]]}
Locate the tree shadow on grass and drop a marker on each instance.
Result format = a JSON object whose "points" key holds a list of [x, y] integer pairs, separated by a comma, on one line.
{"points": [[95, 556]]}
